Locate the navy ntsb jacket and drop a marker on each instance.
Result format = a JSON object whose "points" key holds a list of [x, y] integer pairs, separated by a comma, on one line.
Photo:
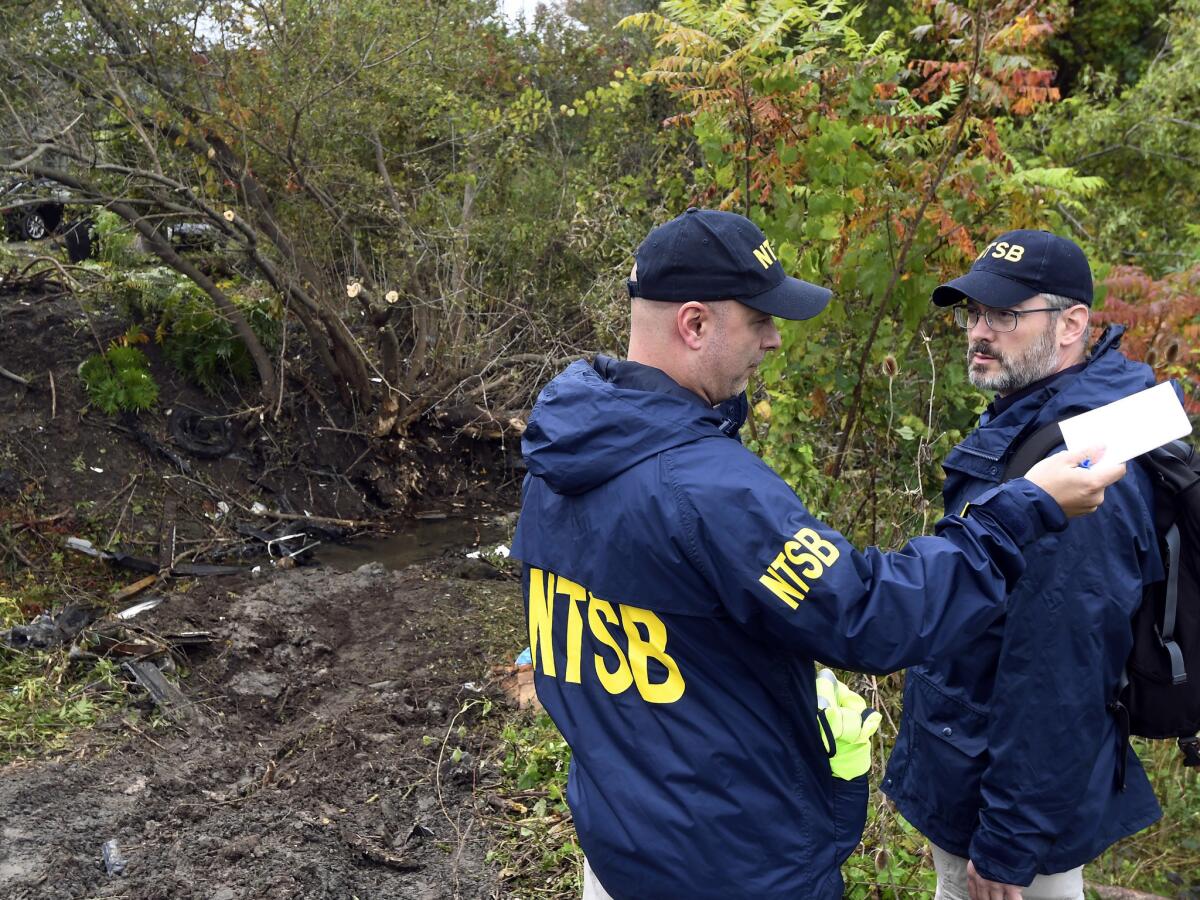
{"points": [[1007, 753], [677, 593]]}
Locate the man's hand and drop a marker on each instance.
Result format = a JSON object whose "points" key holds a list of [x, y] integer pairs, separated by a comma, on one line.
{"points": [[1077, 490], [847, 718], [981, 889]]}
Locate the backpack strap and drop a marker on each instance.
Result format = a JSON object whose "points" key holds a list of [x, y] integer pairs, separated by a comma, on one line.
{"points": [[1032, 450], [1170, 606], [1172, 466]]}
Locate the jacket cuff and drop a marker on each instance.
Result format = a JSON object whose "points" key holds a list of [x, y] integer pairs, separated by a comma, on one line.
{"points": [[1022, 509], [1001, 861]]}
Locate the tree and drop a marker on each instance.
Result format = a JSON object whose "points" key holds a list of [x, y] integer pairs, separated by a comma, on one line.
{"points": [[1143, 139], [395, 174], [880, 175]]}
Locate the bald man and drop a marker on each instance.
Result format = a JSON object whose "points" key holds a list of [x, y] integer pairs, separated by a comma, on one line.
{"points": [[677, 591]]}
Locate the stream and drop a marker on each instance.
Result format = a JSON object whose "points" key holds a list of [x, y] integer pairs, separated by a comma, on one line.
{"points": [[419, 541]]}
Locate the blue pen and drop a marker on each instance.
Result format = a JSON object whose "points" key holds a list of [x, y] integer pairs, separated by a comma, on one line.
{"points": [[1086, 464]]}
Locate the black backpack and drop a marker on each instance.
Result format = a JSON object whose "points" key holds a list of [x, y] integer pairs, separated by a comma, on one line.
{"points": [[1160, 689]]}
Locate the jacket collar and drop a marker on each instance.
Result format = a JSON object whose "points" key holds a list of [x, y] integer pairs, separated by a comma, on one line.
{"points": [[1106, 376], [636, 376]]}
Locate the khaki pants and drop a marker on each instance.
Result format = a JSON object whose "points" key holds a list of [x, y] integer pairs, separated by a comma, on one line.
{"points": [[952, 881], [592, 888]]}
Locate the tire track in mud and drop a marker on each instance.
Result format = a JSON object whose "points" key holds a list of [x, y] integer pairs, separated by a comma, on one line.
{"points": [[327, 699]]}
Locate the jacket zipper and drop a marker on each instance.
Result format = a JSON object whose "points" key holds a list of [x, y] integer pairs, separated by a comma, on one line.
{"points": [[978, 453]]}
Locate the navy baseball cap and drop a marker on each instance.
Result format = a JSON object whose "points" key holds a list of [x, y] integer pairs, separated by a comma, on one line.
{"points": [[1016, 266], [707, 254]]}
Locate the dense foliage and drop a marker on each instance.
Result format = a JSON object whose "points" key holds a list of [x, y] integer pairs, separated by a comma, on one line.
{"points": [[422, 204]]}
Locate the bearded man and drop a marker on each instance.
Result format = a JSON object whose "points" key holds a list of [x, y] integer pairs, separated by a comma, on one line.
{"points": [[1009, 760]]}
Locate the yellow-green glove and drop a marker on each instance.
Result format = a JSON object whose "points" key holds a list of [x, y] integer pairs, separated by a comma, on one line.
{"points": [[848, 722]]}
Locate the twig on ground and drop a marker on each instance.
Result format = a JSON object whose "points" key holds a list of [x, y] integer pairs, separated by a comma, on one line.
{"points": [[326, 520], [103, 506], [121, 518], [13, 377], [12, 548]]}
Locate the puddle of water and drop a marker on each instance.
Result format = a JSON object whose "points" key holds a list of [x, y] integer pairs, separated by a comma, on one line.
{"points": [[418, 542]]}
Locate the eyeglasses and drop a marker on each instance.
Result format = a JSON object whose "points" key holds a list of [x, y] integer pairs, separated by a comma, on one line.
{"points": [[997, 319]]}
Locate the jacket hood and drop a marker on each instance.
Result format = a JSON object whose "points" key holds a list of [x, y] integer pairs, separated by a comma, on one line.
{"points": [[584, 429]]}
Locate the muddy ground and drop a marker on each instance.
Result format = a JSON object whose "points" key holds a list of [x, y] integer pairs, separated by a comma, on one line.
{"points": [[61, 455], [336, 751], [332, 745]]}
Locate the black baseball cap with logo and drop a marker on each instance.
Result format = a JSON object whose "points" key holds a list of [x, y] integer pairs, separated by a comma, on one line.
{"points": [[708, 254], [1018, 265]]}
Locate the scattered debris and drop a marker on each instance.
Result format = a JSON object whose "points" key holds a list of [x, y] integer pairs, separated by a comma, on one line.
{"points": [[288, 541], [114, 862], [128, 561], [376, 854], [203, 436], [134, 426], [166, 696], [139, 608], [516, 682], [184, 639], [136, 588], [418, 834], [146, 655], [203, 570], [82, 545], [138, 564], [500, 550], [46, 631]]}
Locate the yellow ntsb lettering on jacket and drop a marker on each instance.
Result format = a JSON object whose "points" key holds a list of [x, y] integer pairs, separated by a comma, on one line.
{"points": [[802, 561], [626, 660]]}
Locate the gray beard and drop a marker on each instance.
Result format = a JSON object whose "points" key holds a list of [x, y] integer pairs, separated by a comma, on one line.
{"points": [[1037, 361]]}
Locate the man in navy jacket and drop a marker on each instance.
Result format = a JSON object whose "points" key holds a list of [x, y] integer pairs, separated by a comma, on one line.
{"points": [[677, 591], [1008, 759]]}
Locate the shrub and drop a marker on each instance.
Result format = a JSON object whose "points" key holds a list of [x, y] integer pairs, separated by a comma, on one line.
{"points": [[115, 241], [119, 379], [196, 338]]}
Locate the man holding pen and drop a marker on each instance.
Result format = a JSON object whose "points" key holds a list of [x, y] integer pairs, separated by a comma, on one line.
{"points": [[1008, 758]]}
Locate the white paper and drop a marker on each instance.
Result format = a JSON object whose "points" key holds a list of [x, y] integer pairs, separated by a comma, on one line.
{"points": [[1130, 426]]}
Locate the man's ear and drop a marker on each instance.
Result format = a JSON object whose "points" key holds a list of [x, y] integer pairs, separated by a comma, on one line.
{"points": [[693, 321], [1074, 323]]}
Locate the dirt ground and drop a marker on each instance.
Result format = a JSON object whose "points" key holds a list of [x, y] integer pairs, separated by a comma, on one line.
{"points": [[335, 738], [330, 755], [59, 454]]}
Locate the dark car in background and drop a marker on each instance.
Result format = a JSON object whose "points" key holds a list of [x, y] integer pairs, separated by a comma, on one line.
{"points": [[31, 208]]}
